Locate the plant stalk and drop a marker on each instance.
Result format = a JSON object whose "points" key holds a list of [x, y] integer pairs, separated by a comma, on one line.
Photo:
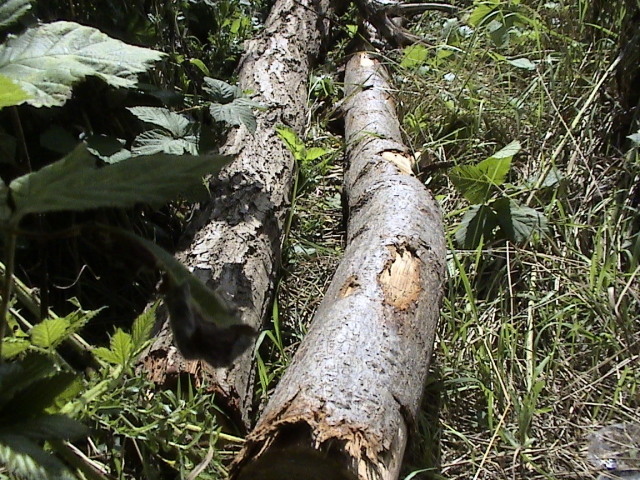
{"points": [[10, 254]]}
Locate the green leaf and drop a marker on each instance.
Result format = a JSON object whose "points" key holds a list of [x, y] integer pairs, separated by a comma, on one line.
{"points": [[38, 395], [315, 152], [158, 141], [237, 112], [58, 139], [523, 63], [209, 304], [142, 327], [481, 12], [414, 56], [221, 92], [635, 138], [105, 354], [12, 347], [49, 427], [25, 458], [12, 10], [477, 224], [177, 124], [292, 141], [476, 183], [471, 183], [48, 59], [76, 182], [199, 64], [121, 346], [15, 377], [11, 93], [107, 148], [50, 332], [518, 222]]}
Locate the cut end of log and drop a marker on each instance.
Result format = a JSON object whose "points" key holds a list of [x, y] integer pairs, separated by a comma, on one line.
{"points": [[400, 280]]}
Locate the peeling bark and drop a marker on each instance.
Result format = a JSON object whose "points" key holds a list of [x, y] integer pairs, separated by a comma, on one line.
{"points": [[349, 399], [237, 241]]}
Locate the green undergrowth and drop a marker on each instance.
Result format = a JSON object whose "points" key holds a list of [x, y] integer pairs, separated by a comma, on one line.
{"points": [[538, 343]]}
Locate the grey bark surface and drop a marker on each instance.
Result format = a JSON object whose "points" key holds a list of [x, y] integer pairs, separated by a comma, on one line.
{"points": [[237, 241], [349, 399]]}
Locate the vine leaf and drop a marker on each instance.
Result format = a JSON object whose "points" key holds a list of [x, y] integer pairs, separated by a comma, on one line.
{"points": [[45, 61]]}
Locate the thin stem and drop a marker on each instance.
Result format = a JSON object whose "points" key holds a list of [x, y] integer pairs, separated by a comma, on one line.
{"points": [[10, 253]]}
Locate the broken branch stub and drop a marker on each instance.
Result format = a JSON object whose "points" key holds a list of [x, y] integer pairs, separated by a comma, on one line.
{"points": [[350, 397]]}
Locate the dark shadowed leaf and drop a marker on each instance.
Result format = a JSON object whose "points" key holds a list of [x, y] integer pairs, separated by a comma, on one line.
{"points": [[220, 91], [479, 222], [237, 112], [76, 182], [160, 141], [518, 222]]}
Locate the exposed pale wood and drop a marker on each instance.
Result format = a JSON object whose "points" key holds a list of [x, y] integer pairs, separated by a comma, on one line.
{"points": [[237, 240], [348, 401]]}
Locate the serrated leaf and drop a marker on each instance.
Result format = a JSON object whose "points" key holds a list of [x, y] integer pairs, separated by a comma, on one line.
{"points": [[107, 148], [478, 223], [25, 458], [476, 183], [519, 222], [76, 182], [220, 91], [158, 141], [50, 427], [121, 346], [15, 377], [177, 124], [12, 347], [46, 60], [80, 318], [50, 332], [414, 55], [11, 93], [106, 355], [38, 395], [471, 183], [12, 10], [142, 327], [238, 112]]}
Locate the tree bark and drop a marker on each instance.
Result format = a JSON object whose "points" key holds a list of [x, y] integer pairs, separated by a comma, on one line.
{"points": [[237, 242], [347, 402]]}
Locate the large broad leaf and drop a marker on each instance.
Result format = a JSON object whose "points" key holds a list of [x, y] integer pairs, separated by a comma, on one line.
{"points": [[477, 224], [477, 182], [518, 222], [38, 395], [220, 91], [12, 10], [50, 332], [76, 182], [11, 93], [159, 141], [48, 427], [237, 112], [48, 59], [177, 124], [15, 377], [27, 460]]}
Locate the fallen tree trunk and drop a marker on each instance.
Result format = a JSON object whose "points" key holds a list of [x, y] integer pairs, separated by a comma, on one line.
{"points": [[346, 403], [237, 240]]}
